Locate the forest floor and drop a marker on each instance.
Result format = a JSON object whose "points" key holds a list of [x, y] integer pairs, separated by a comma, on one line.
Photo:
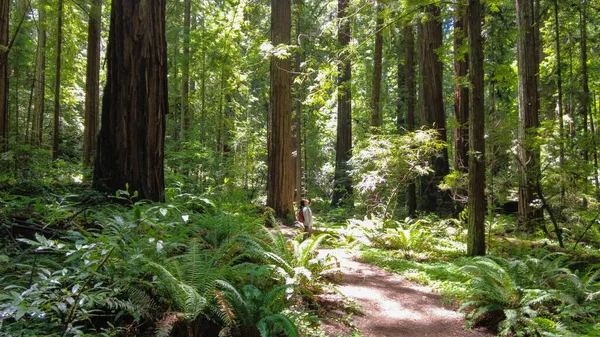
{"points": [[389, 306], [386, 304]]}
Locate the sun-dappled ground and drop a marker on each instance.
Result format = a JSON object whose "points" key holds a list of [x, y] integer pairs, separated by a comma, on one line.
{"points": [[391, 306]]}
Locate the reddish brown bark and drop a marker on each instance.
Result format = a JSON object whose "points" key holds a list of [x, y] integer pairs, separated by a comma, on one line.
{"points": [[131, 140], [433, 107], [280, 196], [476, 206]]}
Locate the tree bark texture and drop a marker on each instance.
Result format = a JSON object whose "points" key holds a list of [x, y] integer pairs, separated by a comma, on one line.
{"points": [[433, 108], [411, 89], [4, 18], [376, 119], [529, 105], [92, 83], [56, 133], [476, 205], [342, 188], [461, 92], [40, 82], [131, 139], [280, 196]]}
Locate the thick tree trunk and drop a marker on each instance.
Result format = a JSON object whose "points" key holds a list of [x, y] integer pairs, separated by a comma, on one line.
{"points": [[476, 206], [131, 140], [4, 18], [528, 153], [461, 92], [411, 89], [280, 196], [92, 83], [40, 82], [376, 119], [433, 101], [342, 187], [56, 133]]}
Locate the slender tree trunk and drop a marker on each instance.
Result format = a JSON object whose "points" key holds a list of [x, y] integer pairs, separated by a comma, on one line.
{"points": [[56, 133], [40, 82], [528, 153], [376, 120], [561, 135], [185, 71], [585, 98], [411, 89], [297, 122], [29, 105], [4, 18], [476, 206], [433, 101], [594, 144], [92, 83], [461, 92], [17, 103], [342, 190], [131, 141], [279, 195]]}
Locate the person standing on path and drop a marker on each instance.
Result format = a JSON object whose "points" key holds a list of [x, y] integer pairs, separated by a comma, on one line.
{"points": [[308, 217]]}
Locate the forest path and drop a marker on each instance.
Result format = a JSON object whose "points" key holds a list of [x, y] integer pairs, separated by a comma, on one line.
{"points": [[391, 306]]}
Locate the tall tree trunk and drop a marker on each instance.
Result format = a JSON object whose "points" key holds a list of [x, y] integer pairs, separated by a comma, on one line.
{"points": [[279, 195], [4, 18], [376, 120], [342, 186], [92, 83], [131, 141], [528, 153], [585, 95], [40, 82], [461, 92], [594, 144], [561, 134], [411, 89], [185, 71], [56, 133], [297, 122], [476, 206], [433, 101]]}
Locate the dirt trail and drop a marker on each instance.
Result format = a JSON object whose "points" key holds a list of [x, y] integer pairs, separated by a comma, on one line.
{"points": [[391, 306]]}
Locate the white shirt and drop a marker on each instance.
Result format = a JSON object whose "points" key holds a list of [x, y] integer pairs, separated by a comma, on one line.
{"points": [[308, 218]]}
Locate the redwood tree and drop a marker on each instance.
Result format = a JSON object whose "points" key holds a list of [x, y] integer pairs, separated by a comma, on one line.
{"points": [[529, 105], [342, 187], [92, 83], [131, 139], [433, 106], [476, 206], [280, 195], [461, 92]]}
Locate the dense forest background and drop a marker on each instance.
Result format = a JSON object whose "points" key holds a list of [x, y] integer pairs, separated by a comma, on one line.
{"points": [[146, 147]]}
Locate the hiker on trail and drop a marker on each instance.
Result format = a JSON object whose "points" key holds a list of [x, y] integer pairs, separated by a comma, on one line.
{"points": [[305, 217]]}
